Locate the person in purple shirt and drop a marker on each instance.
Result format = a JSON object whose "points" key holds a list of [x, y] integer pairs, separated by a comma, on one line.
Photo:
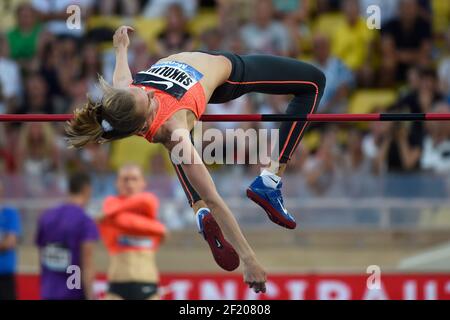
{"points": [[66, 238]]}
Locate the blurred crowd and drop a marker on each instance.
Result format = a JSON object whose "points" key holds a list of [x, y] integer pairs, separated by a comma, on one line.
{"points": [[47, 67]]}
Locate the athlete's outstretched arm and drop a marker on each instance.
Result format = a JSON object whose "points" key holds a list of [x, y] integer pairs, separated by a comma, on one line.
{"points": [[199, 177], [122, 77]]}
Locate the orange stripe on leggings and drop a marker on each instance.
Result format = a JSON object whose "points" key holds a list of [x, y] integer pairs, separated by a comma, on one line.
{"points": [[287, 140], [306, 124]]}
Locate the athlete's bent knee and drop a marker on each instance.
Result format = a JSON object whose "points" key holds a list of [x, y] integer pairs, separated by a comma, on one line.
{"points": [[320, 80]]}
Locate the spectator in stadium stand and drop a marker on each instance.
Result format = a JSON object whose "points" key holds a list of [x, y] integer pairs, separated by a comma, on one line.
{"points": [[356, 165], [236, 44], [132, 234], [140, 58], [8, 11], [264, 34], [68, 64], [399, 149], [91, 66], [389, 8], [231, 14], [24, 37], [36, 95], [7, 159], [405, 41], [157, 8], [10, 231], [425, 9], [78, 92], [352, 42], [95, 159], [49, 69], [211, 39], [66, 237], [10, 79], [436, 150], [323, 170], [54, 15], [295, 15], [420, 100], [38, 158], [393, 147], [340, 79], [326, 6], [444, 70], [297, 10], [175, 38], [128, 8], [373, 145]]}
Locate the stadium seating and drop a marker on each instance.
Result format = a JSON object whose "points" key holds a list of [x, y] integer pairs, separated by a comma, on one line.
{"points": [[368, 100], [441, 15], [328, 23]]}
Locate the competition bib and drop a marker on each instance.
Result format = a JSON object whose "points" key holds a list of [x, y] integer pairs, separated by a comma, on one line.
{"points": [[56, 257], [175, 78], [133, 241]]}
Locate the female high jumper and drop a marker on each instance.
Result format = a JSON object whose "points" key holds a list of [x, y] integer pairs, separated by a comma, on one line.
{"points": [[173, 94]]}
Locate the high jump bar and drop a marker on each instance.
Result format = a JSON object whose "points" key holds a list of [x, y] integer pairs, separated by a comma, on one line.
{"points": [[368, 117]]}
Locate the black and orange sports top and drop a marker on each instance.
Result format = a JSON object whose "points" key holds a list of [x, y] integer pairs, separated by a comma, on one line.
{"points": [[176, 87]]}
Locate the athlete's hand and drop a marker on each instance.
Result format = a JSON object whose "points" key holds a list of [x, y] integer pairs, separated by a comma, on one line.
{"points": [[120, 38], [255, 276]]}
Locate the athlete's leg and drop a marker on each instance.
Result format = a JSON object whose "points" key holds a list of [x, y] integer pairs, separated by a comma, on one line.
{"points": [[278, 75], [275, 75], [223, 253]]}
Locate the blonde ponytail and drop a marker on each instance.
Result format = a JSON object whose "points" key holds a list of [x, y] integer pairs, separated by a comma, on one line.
{"points": [[117, 111], [84, 128]]}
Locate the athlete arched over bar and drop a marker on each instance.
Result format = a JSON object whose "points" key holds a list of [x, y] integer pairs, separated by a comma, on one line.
{"points": [[173, 94]]}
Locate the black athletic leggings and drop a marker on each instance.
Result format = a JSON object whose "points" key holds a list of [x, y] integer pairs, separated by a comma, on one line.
{"points": [[271, 75]]}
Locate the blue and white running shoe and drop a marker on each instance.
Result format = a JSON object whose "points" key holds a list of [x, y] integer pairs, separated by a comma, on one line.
{"points": [[271, 200]]}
